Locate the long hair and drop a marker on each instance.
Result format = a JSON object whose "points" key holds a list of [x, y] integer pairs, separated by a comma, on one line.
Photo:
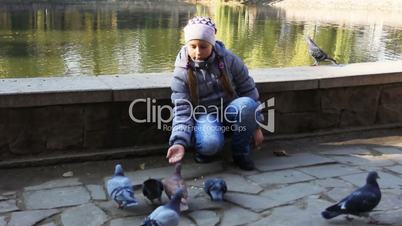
{"points": [[223, 78]]}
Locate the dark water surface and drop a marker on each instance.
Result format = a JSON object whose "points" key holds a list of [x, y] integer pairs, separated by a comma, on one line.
{"points": [[126, 37]]}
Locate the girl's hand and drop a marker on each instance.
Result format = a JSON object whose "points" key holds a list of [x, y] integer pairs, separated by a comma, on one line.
{"points": [[258, 137], [175, 153]]}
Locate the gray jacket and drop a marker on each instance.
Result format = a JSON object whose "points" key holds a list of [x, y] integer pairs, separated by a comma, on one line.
{"points": [[210, 91]]}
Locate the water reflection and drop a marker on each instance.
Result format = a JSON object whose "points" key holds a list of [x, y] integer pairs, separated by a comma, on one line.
{"points": [[103, 38]]}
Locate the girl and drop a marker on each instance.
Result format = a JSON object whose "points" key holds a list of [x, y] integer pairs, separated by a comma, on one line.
{"points": [[212, 93]]}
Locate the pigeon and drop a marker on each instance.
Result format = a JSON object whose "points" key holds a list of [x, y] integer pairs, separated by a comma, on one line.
{"points": [[152, 189], [317, 53], [176, 181], [120, 189], [215, 188], [168, 214], [360, 202]]}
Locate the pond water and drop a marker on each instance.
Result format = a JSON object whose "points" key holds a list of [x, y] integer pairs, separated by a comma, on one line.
{"points": [[71, 39]]}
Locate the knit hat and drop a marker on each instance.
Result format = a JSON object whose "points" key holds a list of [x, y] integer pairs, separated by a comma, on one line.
{"points": [[200, 28]]}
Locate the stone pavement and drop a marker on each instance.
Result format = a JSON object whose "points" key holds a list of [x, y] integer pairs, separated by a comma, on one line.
{"points": [[282, 191]]}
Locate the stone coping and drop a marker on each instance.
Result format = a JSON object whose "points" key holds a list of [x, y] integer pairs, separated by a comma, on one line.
{"points": [[30, 92]]}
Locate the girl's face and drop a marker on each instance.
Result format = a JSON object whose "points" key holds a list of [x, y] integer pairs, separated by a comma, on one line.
{"points": [[199, 49]]}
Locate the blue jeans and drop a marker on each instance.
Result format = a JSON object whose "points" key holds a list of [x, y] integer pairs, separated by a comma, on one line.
{"points": [[239, 118]]}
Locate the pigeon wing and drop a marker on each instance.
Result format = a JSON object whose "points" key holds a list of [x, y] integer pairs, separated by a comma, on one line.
{"points": [[165, 216], [316, 51], [362, 200]]}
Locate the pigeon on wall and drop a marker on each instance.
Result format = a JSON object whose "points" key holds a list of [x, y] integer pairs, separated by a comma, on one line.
{"points": [[120, 189], [317, 53], [176, 181], [166, 215], [152, 189], [215, 188], [358, 203]]}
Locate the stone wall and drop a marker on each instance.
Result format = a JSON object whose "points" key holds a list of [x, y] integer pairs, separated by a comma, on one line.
{"points": [[56, 116]]}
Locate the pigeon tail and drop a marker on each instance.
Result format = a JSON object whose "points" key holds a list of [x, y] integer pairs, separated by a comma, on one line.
{"points": [[150, 222], [328, 214], [216, 195], [174, 203], [332, 60], [125, 197], [129, 196]]}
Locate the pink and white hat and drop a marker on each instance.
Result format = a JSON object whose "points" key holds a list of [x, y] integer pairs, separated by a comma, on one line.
{"points": [[201, 28]]}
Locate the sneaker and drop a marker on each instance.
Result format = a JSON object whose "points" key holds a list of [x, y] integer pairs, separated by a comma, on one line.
{"points": [[198, 158], [244, 162]]}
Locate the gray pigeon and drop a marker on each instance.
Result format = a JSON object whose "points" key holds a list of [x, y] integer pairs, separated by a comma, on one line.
{"points": [[168, 214], [317, 53], [120, 188], [360, 202], [152, 189], [215, 188]]}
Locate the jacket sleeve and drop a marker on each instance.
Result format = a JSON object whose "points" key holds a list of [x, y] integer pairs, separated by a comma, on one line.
{"points": [[244, 83], [183, 122]]}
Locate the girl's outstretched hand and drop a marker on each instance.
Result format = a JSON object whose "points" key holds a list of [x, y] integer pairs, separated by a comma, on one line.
{"points": [[258, 137], [175, 153]]}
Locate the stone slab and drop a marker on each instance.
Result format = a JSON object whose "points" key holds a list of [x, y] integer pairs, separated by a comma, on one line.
{"points": [[386, 180], [314, 205], [332, 183], [397, 158], [54, 198], [349, 150], [292, 192], [396, 169], [235, 183], [387, 150], [255, 203], [370, 168], [10, 194], [364, 160], [337, 194], [238, 216], [293, 161], [203, 203], [49, 224], [205, 218], [127, 221], [185, 221], [3, 221], [393, 217], [188, 171], [84, 215], [110, 207], [389, 201], [289, 215], [334, 170], [127, 87], [24, 92], [30, 218], [2, 198], [8, 206], [97, 192], [280, 177], [55, 184]]}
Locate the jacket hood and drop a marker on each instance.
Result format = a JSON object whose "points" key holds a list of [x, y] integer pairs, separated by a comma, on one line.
{"points": [[182, 56]]}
